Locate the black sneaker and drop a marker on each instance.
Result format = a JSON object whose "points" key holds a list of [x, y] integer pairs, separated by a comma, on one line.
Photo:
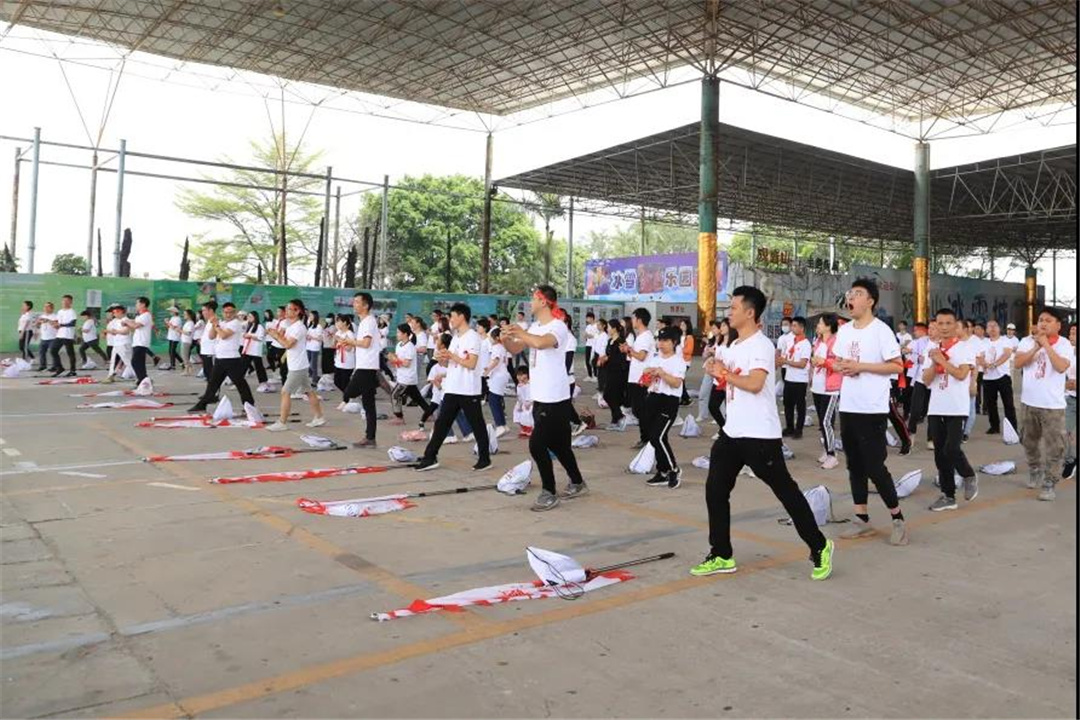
{"points": [[796, 435], [57, 372], [905, 449], [426, 464], [674, 478], [657, 480], [1068, 470], [71, 373], [481, 465], [785, 433], [197, 408]]}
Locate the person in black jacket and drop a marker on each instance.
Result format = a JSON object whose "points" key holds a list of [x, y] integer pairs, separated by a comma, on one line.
{"points": [[616, 368]]}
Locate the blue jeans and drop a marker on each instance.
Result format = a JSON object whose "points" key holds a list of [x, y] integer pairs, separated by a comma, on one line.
{"points": [[498, 409], [969, 426]]}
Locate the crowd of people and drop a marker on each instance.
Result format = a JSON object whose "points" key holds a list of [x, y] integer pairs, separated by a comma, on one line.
{"points": [[871, 379]]}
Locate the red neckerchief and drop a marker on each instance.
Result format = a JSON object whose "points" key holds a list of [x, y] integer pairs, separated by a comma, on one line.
{"points": [[791, 350], [945, 348]]}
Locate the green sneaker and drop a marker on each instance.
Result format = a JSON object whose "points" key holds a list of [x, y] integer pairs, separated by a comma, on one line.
{"points": [[713, 565], [823, 563]]}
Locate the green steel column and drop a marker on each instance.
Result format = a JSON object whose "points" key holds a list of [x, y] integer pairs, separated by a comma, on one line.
{"points": [[921, 262], [710, 124]]}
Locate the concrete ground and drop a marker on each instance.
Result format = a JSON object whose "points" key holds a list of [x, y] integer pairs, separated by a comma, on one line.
{"points": [[134, 589]]}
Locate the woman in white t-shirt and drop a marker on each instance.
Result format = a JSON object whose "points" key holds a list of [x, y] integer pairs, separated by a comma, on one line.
{"points": [[26, 330], [292, 335], [187, 339], [498, 377], [825, 386], [173, 326], [404, 359], [252, 349], [90, 341], [435, 379], [313, 344], [344, 356], [599, 350], [667, 370]]}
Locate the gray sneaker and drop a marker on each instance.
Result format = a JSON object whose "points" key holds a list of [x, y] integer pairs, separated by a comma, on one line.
{"points": [[971, 488], [858, 529], [545, 501], [899, 534], [1033, 481], [943, 502], [1047, 494], [574, 490]]}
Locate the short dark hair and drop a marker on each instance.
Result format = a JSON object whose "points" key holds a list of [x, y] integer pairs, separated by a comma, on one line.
{"points": [[871, 288], [484, 322], [141, 299], [831, 321], [521, 312], [980, 325], [799, 319], [754, 297], [522, 370], [86, 313], [643, 315], [1052, 312], [786, 317], [280, 307], [29, 304], [212, 305], [227, 304], [366, 297], [902, 322], [495, 333], [924, 326], [590, 314], [550, 294], [66, 296], [438, 313], [298, 304], [344, 317], [945, 311], [445, 339], [461, 309]]}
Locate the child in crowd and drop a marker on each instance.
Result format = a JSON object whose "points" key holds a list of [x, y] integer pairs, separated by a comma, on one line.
{"points": [[523, 407], [498, 377], [666, 369], [404, 361], [344, 356]]}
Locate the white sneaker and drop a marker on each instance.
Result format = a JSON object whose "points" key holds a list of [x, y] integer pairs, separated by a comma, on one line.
{"points": [[88, 365], [716, 436], [277, 427], [822, 457], [450, 440], [468, 438], [262, 388], [298, 396], [830, 462], [500, 431], [316, 422]]}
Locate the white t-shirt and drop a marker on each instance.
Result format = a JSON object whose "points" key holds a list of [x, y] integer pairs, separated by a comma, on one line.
{"points": [[24, 321], [437, 393], [752, 415], [1044, 387], [274, 325], [187, 332], [590, 333], [110, 340], [368, 358], [406, 374], [978, 347], [296, 356], [485, 355], [916, 355], [547, 367], [641, 342], [345, 355], [821, 373], [425, 339], [461, 380], [89, 330], [384, 333], [784, 342], [798, 349], [48, 332], [599, 345], [207, 343], [866, 393], [950, 397], [173, 325], [65, 316], [993, 350], [229, 347], [313, 341], [123, 336], [329, 337], [144, 323], [904, 339], [1070, 374], [254, 346], [499, 377], [197, 331], [673, 365]]}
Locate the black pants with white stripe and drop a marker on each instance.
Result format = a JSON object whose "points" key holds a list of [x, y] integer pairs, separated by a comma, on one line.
{"points": [[826, 404], [551, 431], [662, 411]]}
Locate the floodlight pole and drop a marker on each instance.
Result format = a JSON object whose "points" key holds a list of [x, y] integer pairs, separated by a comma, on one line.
{"points": [[33, 200], [485, 229], [382, 231], [337, 220], [710, 125], [93, 207], [921, 261], [119, 206], [15, 201], [326, 228], [1053, 270], [570, 252]]}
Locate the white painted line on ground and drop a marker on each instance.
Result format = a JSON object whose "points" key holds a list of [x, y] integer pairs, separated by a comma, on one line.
{"points": [[8, 416], [170, 485], [82, 474], [12, 452], [26, 465], [31, 467]]}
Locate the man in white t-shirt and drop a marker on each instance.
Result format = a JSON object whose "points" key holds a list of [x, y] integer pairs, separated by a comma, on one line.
{"points": [[65, 336], [997, 380], [1044, 358], [461, 391], [46, 322], [868, 356], [918, 395], [141, 329], [639, 351], [783, 344], [947, 373], [751, 437], [903, 336], [546, 342], [228, 335], [589, 335], [795, 362], [365, 378], [1014, 341], [1070, 410], [966, 332]]}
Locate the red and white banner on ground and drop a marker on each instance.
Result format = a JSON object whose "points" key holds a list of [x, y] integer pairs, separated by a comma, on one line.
{"points": [[202, 421], [69, 381], [498, 594], [289, 476], [123, 393], [365, 507], [142, 404], [269, 452]]}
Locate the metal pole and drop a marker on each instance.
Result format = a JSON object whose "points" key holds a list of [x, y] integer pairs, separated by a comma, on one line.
{"points": [[485, 229], [383, 232], [119, 207], [326, 225], [881, 249], [753, 247], [642, 229], [832, 251], [710, 126], [93, 206], [15, 202], [33, 199], [448, 251], [337, 221], [570, 252], [990, 252], [1053, 273], [921, 261]]}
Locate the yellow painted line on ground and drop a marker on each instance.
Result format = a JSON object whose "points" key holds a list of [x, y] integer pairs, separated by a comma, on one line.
{"points": [[382, 577], [173, 486], [322, 672]]}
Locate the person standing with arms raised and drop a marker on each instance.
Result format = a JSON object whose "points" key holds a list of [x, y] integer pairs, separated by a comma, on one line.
{"points": [[868, 356], [461, 390], [751, 437], [546, 341]]}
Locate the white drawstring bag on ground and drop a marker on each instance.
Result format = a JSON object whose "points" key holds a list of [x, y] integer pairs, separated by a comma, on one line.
{"points": [[553, 568], [820, 500], [1009, 436], [325, 384], [493, 442], [353, 408], [224, 409], [701, 461], [399, 454], [891, 439], [1004, 467], [516, 479], [908, 483], [254, 415], [18, 366], [145, 388], [585, 441], [643, 462], [690, 428]]}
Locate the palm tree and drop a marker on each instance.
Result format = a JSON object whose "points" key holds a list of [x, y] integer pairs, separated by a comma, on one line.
{"points": [[548, 206]]}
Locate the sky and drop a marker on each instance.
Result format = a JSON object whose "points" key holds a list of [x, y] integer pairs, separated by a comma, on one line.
{"points": [[183, 117]]}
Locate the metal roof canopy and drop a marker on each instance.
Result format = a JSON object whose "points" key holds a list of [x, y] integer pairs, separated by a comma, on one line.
{"points": [[913, 62], [1021, 201]]}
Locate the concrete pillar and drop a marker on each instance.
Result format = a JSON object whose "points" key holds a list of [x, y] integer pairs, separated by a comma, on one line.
{"points": [[36, 157], [710, 125]]}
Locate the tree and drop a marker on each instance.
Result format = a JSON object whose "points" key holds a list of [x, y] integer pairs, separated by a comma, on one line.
{"points": [[811, 246], [549, 207], [246, 214], [660, 239], [70, 264], [423, 211], [185, 265], [7, 262]]}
